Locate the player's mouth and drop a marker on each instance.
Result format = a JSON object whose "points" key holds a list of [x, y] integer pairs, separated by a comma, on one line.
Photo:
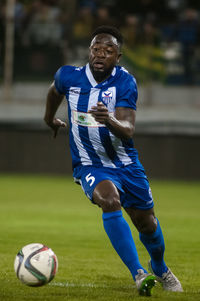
{"points": [[98, 65]]}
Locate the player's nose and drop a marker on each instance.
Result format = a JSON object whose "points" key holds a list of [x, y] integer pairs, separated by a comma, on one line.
{"points": [[101, 53]]}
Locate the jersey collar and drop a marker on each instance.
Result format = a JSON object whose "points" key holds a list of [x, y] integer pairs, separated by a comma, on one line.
{"points": [[91, 78]]}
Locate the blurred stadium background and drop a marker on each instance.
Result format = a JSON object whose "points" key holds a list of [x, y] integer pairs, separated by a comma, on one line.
{"points": [[162, 50]]}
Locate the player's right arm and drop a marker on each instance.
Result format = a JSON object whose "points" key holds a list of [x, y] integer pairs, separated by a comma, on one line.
{"points": [[54, 99]]}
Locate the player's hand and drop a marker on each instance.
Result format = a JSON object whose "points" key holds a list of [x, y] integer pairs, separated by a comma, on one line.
{"points": [[55, 125], [100, 113]]}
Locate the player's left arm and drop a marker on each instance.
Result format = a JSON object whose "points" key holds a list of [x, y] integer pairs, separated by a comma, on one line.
{"points": [[122, 124], [53, 101]]}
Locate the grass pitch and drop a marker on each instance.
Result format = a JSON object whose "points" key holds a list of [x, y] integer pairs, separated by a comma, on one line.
{"points": [[55, 212]]}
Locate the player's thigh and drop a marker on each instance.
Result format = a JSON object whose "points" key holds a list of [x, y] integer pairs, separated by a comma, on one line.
{"points": [[90, 178], [137, 190], [106, 195]]}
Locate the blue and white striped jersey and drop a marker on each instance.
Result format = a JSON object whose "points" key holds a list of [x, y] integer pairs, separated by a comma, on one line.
{"points": [[92, 143]]}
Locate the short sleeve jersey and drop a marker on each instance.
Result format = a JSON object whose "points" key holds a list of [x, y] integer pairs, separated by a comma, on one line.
{"points": [[91, 143]]}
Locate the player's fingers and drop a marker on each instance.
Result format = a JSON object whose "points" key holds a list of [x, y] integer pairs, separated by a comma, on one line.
{"points": [[101, 104], [100, 114], [102, 109], [101, 119], [55, 132], [63, 124], [58, 122], [92, 109]]}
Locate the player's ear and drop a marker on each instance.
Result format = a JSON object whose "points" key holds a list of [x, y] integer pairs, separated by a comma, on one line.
{"points": [[119, 57]]}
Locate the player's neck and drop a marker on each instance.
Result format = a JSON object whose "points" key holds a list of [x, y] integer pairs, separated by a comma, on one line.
{"points": [[101, 76]]}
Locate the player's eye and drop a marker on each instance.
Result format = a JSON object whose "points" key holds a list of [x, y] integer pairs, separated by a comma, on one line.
{"points": [[109, 51]]}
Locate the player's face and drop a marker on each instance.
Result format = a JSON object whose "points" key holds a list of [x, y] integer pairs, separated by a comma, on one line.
{"points": [[103, 56]]}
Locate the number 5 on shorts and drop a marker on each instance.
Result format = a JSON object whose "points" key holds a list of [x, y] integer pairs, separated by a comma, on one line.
{"points": [[90, 178]]}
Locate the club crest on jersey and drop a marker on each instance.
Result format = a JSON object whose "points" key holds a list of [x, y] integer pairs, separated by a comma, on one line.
{"points": [[107, 97]]}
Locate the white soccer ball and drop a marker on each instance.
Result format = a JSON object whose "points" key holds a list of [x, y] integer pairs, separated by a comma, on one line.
{"points": [[35, 264]]}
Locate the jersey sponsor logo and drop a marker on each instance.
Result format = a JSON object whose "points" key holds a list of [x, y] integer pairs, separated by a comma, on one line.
{"points": [[78, 91], [84, 119], [107, 97]]}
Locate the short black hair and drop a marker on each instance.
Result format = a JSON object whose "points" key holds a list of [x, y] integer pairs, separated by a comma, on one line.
{"points": [[113, 31]]}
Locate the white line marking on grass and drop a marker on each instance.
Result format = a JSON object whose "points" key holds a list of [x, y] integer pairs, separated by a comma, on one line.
{"points": [[68, 284], [93, 285]]}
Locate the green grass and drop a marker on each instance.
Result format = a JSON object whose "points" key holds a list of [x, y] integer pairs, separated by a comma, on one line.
{"points": [[55, 212]]}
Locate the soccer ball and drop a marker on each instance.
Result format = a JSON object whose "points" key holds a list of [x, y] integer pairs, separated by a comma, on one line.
{"points": [[35, 264]]}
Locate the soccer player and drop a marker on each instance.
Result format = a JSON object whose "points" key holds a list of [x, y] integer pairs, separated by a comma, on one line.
{"points": [[101, 99]]}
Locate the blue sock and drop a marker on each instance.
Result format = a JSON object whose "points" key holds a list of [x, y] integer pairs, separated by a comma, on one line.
{"points": [[155, 245], [121, 238]]}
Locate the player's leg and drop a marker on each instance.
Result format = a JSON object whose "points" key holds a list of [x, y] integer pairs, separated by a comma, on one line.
{"points": [[151, 236], [139, 205], [102, 186], [107, 197]]}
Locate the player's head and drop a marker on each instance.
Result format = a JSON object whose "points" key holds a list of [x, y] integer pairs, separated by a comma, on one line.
{"points": [[105, 51], [111, 30]]}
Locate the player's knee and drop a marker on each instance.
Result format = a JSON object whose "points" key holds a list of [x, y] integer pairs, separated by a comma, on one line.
{"points": [[107, 196], [145, 222], [109, 203], [147, 225]]}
